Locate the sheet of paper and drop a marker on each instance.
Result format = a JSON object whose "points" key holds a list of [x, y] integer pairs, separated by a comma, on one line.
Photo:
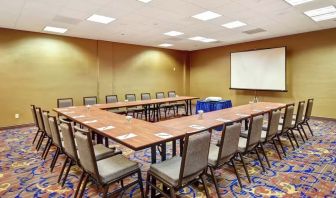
{"points": [[242, 115], [126, 136], [223, 120], [106, 128], [68, 112], [198, 127], [90, 121], [164, 135]]}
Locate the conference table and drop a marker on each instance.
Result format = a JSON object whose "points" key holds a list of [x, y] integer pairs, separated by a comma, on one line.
{"points": [[138, 134]]}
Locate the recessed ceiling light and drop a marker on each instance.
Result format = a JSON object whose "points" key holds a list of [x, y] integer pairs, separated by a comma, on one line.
{"points": [[197, 38], [208, 40], [234, 24], [324, 17], [320, 11], [166, 45], [55, 29], [202, 39], [173, 33], [204, 16], [297, 2], [100, 19], [145, 1]]}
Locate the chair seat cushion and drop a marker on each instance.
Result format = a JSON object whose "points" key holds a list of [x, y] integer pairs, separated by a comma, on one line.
{"points": [[168, 170], [117, 110], [139, 108], [102, 152], [242, 144], [245, 133], [114, 167]]}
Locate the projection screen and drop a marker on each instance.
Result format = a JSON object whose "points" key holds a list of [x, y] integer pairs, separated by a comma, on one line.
{"points": [[263, 69]]}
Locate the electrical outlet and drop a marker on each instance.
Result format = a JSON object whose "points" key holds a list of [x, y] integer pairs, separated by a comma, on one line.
{"points": [[17, 116]]}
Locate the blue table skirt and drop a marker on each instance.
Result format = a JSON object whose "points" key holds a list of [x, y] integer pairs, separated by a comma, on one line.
{"points": [[213, 106]]}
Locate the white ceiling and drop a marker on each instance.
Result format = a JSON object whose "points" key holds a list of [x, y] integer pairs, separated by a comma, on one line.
{"points": [[144, 24]]}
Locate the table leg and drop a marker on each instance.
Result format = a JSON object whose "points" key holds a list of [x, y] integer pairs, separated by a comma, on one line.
{"points": [[174, 147], [145, 109], [99, 138], [190, 107], [187, 107], [181, 147]]}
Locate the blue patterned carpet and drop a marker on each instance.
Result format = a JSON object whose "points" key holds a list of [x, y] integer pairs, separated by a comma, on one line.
{"points": [[307, 172]]}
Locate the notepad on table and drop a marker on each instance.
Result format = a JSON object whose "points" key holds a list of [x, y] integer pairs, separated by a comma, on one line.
{"points": [[195, 126], [106, 128], [126, 136], [79, 116], [223, 120], [90, 121], [164, 135]]}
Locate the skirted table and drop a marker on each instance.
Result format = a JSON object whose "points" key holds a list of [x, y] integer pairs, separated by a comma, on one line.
{"points": [[208, 106]]}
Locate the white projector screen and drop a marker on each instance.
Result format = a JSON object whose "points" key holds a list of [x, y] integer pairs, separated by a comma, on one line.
{"points": [[259, 70]]}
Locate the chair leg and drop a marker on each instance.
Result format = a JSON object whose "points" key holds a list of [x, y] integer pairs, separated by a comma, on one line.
{"points": [[147, 184], [84, 185], [283, 149], [276, 148], [53, 161], [172, 192], [37, 133], [214, 180], [45, 148], [39, 143], [298, 129], [290, 140], [311, 131], [140, 184], [304, 132], [106, 187], [62, 170], [66, 173], [294, 137], [236, 172], [264, 153], [205, 187], [243, 162], [80, 183], [48, 149], [259, 158]]}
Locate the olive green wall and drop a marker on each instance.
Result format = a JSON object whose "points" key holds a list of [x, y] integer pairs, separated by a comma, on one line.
{"points": [[311, 71], [39, 68]]}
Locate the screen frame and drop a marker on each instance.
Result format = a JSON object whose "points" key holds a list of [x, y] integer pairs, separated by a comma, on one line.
{"points": [[258, 49]]}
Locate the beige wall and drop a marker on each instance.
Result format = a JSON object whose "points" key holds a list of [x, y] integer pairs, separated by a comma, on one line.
{"points": [[311, 71], [39, 68]]}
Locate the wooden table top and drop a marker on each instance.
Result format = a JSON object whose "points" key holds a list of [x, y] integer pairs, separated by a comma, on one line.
{"points": [[218, 118], [144, 102], [138, 134]]}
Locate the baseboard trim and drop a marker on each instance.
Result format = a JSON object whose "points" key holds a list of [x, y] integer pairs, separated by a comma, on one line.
{"points": [[323, 118], [17, 126]]}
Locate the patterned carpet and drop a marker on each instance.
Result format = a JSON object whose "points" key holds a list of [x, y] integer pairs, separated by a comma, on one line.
{"points": [[307, 172]]}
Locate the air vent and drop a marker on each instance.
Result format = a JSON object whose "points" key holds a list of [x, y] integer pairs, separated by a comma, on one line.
{"points": [[67, 20], [254, 31]]}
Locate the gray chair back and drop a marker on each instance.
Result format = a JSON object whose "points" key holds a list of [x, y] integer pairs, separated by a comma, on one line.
{"points": [[254, 133], [87, 157], [45, 115], [309, 108], [160, 95], [111, 98], [171, 94], [145, 96], [55, 133], [130, 97], [64, 102], [288, 117], [299, 114], [90, 100], [228, 143], [32, 107], [195, 154], [273, 124], [38, 111], [69, 145]]}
